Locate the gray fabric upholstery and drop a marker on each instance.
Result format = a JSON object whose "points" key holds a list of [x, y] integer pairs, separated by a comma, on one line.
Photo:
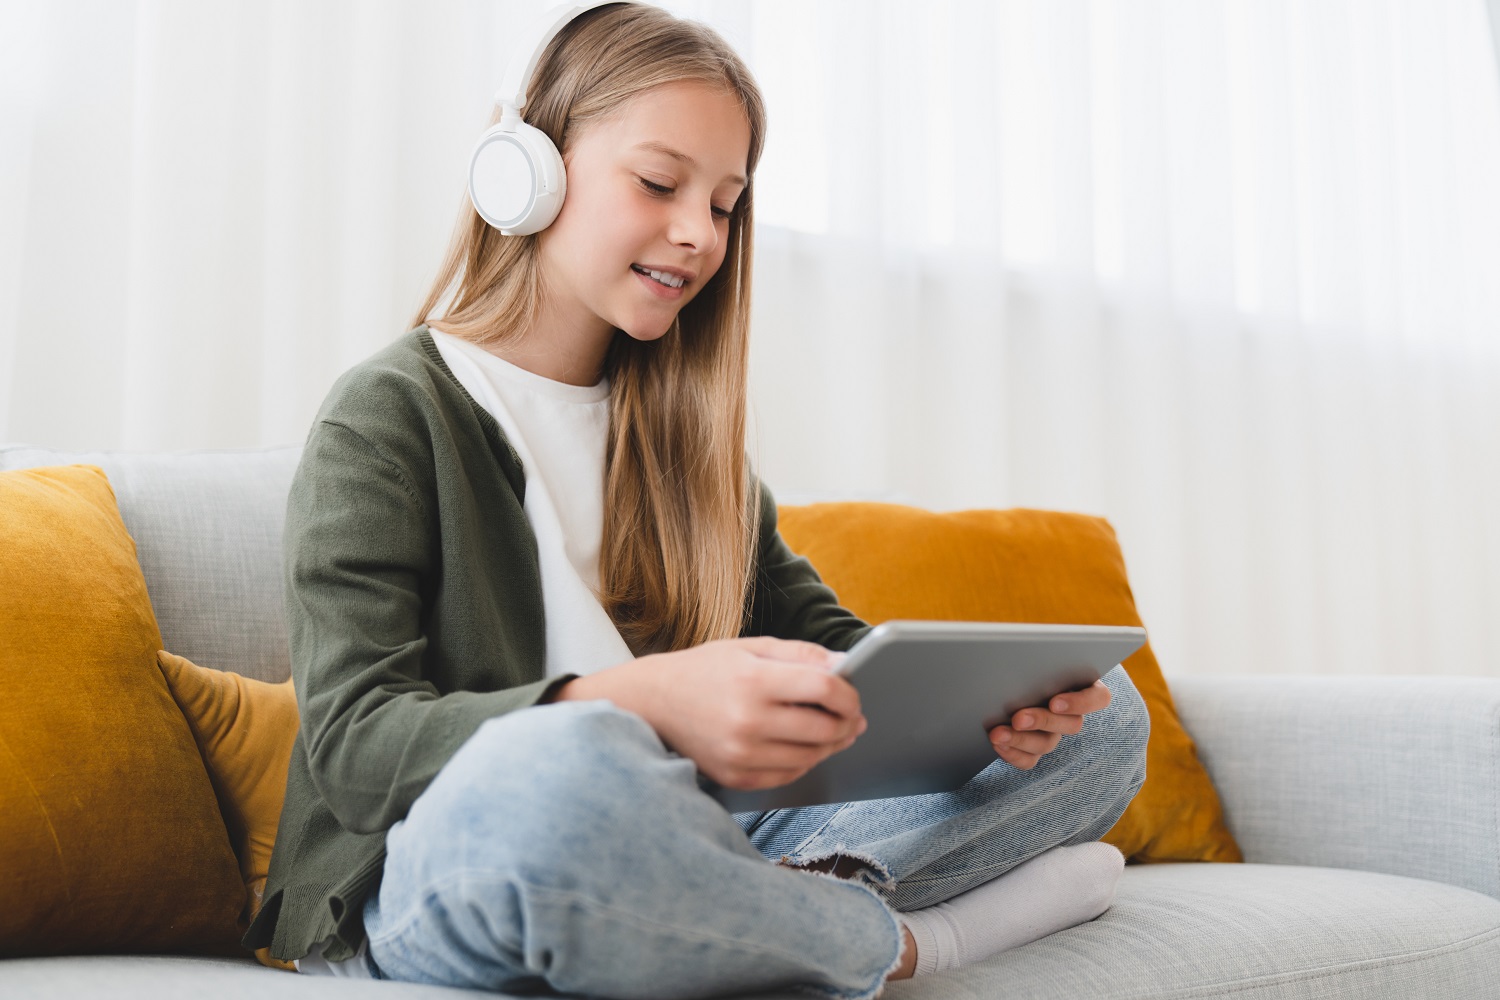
{"points": [[1384, 774], [1258, 931], [165, 977], [207, 528], [1174, 932]]}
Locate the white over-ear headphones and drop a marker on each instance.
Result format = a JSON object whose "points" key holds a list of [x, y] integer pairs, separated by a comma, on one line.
{"points": [[516, 175]]}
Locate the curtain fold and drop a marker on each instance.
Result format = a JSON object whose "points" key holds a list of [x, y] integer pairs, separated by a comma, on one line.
{"points": [[1221, 271]]}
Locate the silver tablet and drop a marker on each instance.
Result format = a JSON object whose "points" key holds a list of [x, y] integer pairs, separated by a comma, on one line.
{"points": [[931, 691]]}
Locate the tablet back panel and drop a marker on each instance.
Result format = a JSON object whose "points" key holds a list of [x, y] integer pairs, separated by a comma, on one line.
{"points": [[931, 691]]}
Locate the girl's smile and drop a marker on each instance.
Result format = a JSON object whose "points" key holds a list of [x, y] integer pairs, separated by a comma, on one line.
{"points": [[661, 282]]}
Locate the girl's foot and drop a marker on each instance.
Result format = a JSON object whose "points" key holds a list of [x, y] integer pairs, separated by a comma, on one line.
{"points": [[1055, 890]]}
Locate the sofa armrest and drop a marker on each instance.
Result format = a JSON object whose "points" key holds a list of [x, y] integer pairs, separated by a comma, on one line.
{"points": [[1387, 774]]}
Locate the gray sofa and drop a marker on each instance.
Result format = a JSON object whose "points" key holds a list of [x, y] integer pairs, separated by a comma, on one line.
{"points": [[1368, 808]]}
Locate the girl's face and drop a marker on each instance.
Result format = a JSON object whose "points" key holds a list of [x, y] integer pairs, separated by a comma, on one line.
{"points": [[651, 188]]}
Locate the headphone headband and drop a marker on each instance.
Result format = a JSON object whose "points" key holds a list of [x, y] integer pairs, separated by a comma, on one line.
{"points": [[542, 29]]}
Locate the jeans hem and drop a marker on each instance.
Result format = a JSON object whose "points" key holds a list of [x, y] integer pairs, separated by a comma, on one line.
{"points": [[392, 936], [878, 987]]}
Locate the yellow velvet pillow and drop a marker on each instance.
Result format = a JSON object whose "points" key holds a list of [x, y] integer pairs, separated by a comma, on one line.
{"points": [[244, 729], [110, 837], [890, 561]]}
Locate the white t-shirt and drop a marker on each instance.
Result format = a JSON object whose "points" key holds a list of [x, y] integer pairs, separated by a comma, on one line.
{"points": [[559, 431]]}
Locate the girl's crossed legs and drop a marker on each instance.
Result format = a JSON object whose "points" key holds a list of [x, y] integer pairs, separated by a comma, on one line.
{"points": [[564, 848]]}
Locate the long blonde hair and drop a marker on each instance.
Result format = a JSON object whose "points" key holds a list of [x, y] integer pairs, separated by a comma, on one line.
{"points": [[681, 508]]}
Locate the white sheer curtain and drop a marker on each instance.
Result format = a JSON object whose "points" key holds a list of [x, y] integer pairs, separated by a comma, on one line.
{"points": [[1222, 271], [208, 210]]}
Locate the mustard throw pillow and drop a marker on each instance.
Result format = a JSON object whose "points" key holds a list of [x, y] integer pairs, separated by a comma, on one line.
{"points": [[244, 729], [890, 561], [110, 836]]}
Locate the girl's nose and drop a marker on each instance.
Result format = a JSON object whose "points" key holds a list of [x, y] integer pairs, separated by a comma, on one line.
{"points": [[693, 226]]}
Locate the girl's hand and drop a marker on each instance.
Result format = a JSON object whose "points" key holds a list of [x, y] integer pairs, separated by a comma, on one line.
{"points": [[1035, 731], [751, 713]]}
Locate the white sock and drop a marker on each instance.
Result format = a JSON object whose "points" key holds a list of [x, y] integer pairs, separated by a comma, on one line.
{"points": [[1056, 889]]}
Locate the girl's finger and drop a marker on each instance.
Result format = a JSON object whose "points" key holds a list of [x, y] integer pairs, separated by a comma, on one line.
{"points": [[1019, 758], [790, 650], [1045, 721], [1090, 699], [808, 727], [808, 687], [775, 764], [1036, 743]]}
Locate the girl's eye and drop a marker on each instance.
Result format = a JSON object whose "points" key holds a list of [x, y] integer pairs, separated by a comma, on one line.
{"points": [[658, 189]]}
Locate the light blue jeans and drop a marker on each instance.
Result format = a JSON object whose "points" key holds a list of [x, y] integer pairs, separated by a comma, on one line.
{"points": [[564, 849]]}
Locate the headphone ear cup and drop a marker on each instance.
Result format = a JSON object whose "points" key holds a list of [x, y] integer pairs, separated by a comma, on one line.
{"points": [[517, 179]]}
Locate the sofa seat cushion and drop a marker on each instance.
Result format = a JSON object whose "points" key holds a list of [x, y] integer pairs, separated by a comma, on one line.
{"points": [[1255, 931], [1175, 931], [171, 977]]}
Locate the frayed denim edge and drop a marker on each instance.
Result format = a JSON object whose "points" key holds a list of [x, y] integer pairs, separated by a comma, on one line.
{"points": [[875, 873]]}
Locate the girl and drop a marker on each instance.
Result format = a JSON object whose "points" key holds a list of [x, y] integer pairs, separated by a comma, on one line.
{"points": [[533, 589]]}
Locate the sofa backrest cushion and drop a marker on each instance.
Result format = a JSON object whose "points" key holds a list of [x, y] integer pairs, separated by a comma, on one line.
{"points": [[245, 730], [207, 527], [891, 561]]}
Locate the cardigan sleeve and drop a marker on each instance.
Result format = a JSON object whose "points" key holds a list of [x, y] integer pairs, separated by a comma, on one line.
{"points": [[791, 601], [360, 549]]}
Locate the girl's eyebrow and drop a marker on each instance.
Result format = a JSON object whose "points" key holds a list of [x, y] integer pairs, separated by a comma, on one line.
{"points": [[655, 146]]}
